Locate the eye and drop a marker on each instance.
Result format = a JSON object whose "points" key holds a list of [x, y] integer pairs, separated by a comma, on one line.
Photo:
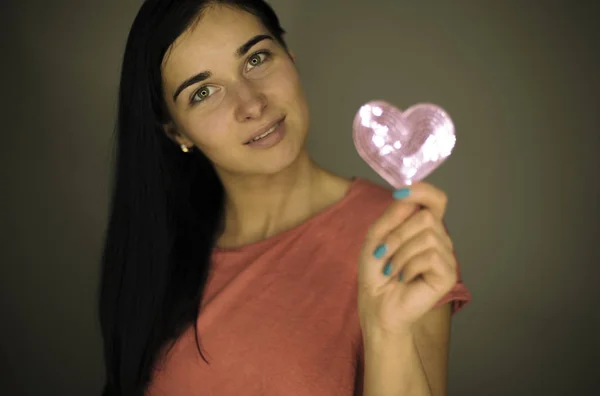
{"points": [[202, 93], [257, 59]]}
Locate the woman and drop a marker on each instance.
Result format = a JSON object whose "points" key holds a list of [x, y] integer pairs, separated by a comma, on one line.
{"points": [[235, 265]]}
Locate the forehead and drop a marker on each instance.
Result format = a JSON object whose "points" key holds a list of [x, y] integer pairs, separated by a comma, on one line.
{"points": [[210, 42]]}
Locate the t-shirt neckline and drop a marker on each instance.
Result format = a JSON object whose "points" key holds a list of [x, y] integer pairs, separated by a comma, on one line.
{"points": [[355, 182]]}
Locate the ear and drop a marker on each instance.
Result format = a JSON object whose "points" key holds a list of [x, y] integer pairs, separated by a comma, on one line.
{"points": [[173, 133]]}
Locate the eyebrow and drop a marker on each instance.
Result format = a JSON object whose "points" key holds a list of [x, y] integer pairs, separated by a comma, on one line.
{"points": [[243, 50]]}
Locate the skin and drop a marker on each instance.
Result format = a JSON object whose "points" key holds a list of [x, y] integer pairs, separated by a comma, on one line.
{"points": [[267, 191], [406, 339], [270, 191]]}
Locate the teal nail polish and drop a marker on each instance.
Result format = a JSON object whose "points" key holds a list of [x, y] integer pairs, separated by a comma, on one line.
{"points": [[387, 269], [400, 277], [380, 251], [401, 193]]}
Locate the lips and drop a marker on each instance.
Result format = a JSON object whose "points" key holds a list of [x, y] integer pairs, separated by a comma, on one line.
{"points": [[271, 127]]}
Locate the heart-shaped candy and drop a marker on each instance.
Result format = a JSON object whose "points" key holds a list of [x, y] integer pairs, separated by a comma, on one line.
{"points": [[403, 146]]}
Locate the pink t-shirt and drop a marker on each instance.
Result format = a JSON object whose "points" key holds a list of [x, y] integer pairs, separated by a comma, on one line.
{"points": [[279, 317]]}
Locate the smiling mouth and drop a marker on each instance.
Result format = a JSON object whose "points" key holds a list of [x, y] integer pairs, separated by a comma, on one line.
{"points": [[266, 133]]}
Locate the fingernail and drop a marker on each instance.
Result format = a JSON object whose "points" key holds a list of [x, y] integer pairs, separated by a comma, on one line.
{"points": [[401, 193], [380, 251], [400, 277], [387, 269]]}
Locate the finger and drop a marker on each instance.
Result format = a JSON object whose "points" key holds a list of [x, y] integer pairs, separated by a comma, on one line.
{"points": [[424, 241], [425, 195], [393, 216], [422, 220], [417, 223], [432, 268]]}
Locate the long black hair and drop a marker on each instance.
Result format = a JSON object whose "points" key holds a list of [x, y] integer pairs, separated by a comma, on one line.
{"points": [[167, 206]]}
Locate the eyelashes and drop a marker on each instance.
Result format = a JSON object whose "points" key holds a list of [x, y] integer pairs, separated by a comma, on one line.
{"points": [[255, 60], [202, 93], [260, 56]]}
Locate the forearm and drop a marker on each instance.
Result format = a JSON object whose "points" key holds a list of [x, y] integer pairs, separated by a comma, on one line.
{"points": [[393, 367]]}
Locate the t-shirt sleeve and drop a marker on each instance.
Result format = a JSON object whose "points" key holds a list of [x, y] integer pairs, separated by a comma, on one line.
{"points": [[458, 297]]}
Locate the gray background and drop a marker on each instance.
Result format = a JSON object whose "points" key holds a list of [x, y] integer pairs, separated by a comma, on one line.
{"points": [[520, 79]]}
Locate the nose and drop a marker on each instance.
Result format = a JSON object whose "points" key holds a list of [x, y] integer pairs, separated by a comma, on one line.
{"points": [[251, 102]]}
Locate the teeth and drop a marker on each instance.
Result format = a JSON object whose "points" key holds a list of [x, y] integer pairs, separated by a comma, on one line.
{"points": [[265, 134]]}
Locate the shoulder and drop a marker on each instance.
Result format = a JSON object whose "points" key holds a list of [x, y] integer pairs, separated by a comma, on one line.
{"points": [[366, 196], [371, 191], [364, 202]]}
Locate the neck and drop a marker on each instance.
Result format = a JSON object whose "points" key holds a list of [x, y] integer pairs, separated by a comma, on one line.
{"points": [[260, 206]]}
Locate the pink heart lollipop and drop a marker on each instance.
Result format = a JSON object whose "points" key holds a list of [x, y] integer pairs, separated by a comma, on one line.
{"points": [[403, 147]]}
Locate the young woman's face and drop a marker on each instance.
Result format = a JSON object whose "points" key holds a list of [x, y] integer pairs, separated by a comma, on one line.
{"points": [[226, 80]]}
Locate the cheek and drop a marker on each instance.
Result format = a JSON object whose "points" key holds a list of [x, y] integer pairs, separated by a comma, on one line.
{"points": [[209, 133], [284, 83]]}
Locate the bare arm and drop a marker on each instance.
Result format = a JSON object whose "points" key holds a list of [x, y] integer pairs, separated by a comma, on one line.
{"points": [[414, 363]]}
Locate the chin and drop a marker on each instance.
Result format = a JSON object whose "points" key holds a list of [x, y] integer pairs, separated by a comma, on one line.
{"points": [[280, 161], [279, 158]]}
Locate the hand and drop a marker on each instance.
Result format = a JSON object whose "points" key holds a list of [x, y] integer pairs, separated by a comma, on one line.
{"points": [[407, 263]]}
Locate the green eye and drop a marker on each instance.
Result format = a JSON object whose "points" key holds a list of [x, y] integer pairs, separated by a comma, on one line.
{"points": [[202, 93], [257, 59]]}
